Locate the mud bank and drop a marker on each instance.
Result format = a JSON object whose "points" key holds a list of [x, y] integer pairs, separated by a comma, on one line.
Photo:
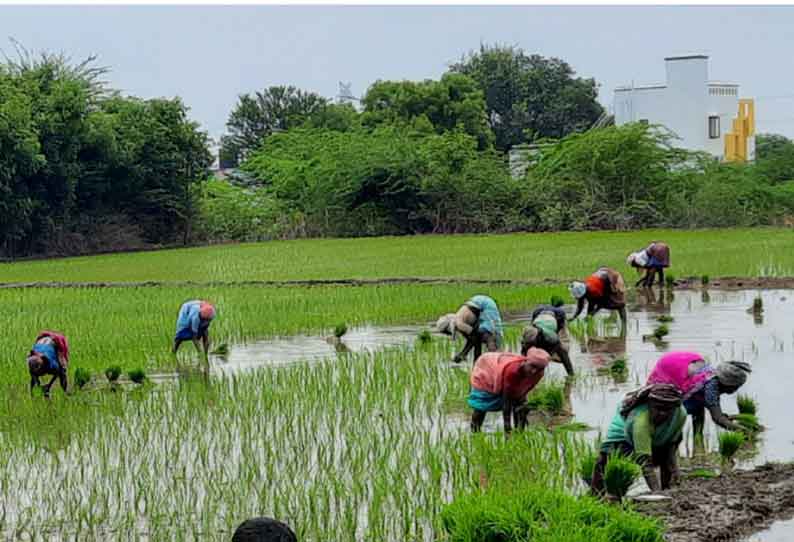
{"points": [[719, 283], [727, 507]]}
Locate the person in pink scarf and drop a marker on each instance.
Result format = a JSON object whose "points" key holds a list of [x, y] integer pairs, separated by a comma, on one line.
{"points": [[701, 385], [501, 381], [49, 356]]}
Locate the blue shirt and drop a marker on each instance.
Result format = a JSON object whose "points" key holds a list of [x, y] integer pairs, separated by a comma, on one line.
{"points": [[49, 352], [189, 317]]}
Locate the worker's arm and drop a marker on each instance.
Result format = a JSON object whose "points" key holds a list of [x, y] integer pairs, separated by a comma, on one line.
{"points": [[579, 307], [562, 352], [721, 419], [507, 414], [649, 472], [642, 441], [466, 349]]}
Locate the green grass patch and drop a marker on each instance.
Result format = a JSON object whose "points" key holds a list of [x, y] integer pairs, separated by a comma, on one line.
{"points": [[746, 404]]}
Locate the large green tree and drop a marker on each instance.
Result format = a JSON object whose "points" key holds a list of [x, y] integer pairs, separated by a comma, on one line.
{"points": [[530, 97], [774, 157], [257, 115], [454, 102]]}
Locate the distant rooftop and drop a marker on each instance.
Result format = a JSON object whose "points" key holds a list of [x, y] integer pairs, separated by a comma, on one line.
{"points": [[687, 57]]}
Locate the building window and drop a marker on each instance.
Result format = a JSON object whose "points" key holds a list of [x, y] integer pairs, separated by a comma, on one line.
{"points": [[714, 127], [644, 121]]}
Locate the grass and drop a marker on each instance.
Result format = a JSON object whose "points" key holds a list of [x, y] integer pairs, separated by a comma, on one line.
{"points": [[619, 474], [746, 404], [724, 252], [729, 443]]}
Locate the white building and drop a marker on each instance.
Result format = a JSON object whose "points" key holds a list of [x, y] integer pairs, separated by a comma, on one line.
{"points": [[705, 115]]}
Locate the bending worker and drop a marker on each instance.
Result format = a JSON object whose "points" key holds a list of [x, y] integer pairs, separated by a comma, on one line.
{"points": [[604, 289], [479, 321], [647, 425], [544, 332], [193, 323], [701, 385], [49, 356], [653, 259], [501, 381]]}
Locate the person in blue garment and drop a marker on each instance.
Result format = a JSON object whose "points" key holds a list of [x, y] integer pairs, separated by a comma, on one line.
{"points": [[479, 322], [193, 324]]}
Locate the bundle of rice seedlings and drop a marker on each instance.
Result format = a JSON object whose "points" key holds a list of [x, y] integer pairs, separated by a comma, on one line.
{"points": [[619, 474], [112, 373], [746, 404]]}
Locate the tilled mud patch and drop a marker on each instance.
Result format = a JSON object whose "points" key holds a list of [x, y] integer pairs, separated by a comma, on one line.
{"points": [[727, 507]]}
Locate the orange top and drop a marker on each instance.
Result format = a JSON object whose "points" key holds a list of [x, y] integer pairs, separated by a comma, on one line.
{"points": [[595, 286]]}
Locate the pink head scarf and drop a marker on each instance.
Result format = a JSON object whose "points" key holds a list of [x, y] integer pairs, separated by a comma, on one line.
{"points": [[685, 370]]}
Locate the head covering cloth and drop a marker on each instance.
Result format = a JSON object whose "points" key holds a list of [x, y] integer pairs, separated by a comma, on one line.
{"points": [[733, 374], [577, 289], [660, 395]]}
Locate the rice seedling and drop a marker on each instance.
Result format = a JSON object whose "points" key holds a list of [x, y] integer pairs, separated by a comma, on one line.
{"points": [[619, 474], [702, 473], [82, 377], [340, 330], [746, 404], [704, 280], [665, 319], [548, 398], [748, 422], [137, 375], [758, 305], [587, 466], [222, 350], [113, 373], [729, 444], [661, 331], [424, 338], [669, 280], [557, 301]]}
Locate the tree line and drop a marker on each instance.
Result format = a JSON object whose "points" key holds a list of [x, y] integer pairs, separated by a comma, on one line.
{"points": [[85, 169]]}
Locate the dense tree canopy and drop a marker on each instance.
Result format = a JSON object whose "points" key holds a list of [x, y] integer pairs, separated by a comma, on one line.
{"points": [[530, 97], [259, 115], [78, 161], [774, 155]]}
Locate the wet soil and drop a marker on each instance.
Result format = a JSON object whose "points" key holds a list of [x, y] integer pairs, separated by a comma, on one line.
{"points": [[727, 507], [719, 283]]}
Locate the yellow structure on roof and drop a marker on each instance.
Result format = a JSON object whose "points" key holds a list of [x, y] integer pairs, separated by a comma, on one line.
{"points": [[737, 140]]}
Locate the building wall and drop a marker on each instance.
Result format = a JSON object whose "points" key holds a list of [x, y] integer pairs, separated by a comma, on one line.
{"points": [[725, 107]]}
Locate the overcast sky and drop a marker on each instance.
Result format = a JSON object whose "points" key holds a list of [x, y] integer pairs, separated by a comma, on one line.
{"points": [[209, 55]]}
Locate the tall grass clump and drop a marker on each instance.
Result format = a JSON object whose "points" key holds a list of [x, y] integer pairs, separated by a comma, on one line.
{"points": [[746, 404], [619, 474], [729, 443]]}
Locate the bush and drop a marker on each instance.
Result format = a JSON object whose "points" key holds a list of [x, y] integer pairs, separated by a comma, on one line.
{"points": [[620, 472], [137, 375], [730, 442], [82, 377], [746, 404], [113, 373]]}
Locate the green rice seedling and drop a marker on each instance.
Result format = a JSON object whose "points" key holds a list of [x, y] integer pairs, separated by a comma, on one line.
{"points": [[424, 338], [222, 350], [748, 422], [758, 305], [704, 280], [661, 332], [137, 375], [340, 330], [619, 474], [572, 426], [669, 280], [587, 465], [549, 398], [729, 444], [702, 473], [746, 404], [665, 319], [557, 301], [113, 373], [82, 377]]}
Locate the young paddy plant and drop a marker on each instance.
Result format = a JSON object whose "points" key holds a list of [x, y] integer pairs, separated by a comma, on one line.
{"points": [[113, 373], [619, 474], [746, 404], [729, 443]]}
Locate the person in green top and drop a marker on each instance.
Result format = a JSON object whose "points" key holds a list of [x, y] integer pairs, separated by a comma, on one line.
{"points": [[647, 425]]}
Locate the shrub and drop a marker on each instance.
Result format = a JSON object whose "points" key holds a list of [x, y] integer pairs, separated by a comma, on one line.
{"points": [[137, 375], [620, 472], [112, 373], [730, 442], [746, 404], [82, 377]]}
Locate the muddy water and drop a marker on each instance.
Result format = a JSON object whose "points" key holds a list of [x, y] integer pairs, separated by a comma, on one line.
{"points": [[297, 348], [782, 531], [718, 326]]}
